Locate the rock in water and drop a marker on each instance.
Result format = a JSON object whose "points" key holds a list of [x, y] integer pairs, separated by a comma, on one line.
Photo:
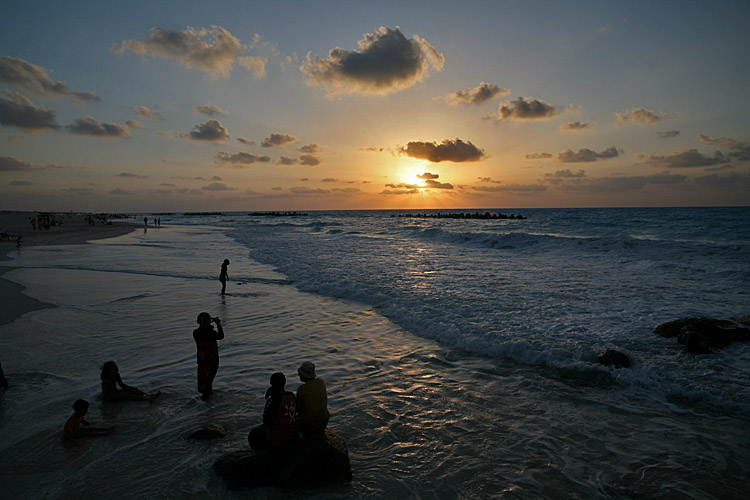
{"points": [[700, 335], [304, 464], [609, 357], [210, 432]]}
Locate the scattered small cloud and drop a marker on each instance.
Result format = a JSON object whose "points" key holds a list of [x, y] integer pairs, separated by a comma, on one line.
{"points": [[17, 110], [218, 186], [34, 79], [478, 95], [94, 128], [286, 160], [401, 191], [740, 150], [239, 160], [21, 183], [564, 175], [308, 191], [278, 139], [575, 126], [148, 113], [329, 179], [586, 155], [212, 50], [449, 150], [371, 150], [246, 142], [537, 156], [641, 116], [217, 178], [132, 175], [433, 184], [255, 65], [311, 148], [690, 158], [310, 160], [667, 134], [428, 175], [210, 110], [211, 131], [517, 188], [525, 108], [489, 179], [134, 124], [386, 62]]}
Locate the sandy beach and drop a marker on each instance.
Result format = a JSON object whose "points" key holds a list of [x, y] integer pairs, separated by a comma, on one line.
{"points": [[69, 229]]}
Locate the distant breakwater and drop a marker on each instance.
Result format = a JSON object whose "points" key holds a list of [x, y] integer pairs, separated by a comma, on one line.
{"points": [[468, 215]]}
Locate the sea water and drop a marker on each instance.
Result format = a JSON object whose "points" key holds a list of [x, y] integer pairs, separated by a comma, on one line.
{"points": [[460, 354]]}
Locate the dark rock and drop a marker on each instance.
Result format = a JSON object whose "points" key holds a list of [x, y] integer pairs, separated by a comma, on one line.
{"points": [[610, 357], [210, 432], [745, 320], [303, 464], [700, 335]]}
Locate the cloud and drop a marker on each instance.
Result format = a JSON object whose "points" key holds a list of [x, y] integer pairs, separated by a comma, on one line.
{"points": [[400, 191], [21, 183], [667, 134], [285, 160], [525, 108], [132, 175], [17, 110], [311, 148], [147, 113], [84, 191], [278, 139], [685, 159], [641, 116], [308, 191], [94, 128], [134, 124], [566, 174], [329, 179], [256, 65], [218, 186], [428, 175], [34, 79], [575, 126], [489, 179], [310, 160], [246, 142], [118, 191], [216, 178], [518, 188], [371, 150], [211, 131], [478, 95], [740, 150], [239, 160], [211, 50], [722, 182], [437, 185], [538, 156], [210, 110], [10, 164], [449, 150], [386, 62], [586, 155], [624, 183]]}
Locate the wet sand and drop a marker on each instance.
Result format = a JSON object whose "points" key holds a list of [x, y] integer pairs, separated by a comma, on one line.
{"points": [[74, 230]]}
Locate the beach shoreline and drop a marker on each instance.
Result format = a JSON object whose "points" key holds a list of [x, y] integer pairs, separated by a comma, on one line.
{"points": [[70, 229]]}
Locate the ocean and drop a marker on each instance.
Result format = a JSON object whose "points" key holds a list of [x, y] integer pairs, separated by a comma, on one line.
{"points": [[460, 354]]}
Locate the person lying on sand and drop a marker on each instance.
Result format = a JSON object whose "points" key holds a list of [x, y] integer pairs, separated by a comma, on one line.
{"points": [[73, 429], [111, 379]]}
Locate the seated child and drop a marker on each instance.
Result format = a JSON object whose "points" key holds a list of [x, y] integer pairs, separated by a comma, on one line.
{"points": [[73, 429], [279, 417], [110, 380]]}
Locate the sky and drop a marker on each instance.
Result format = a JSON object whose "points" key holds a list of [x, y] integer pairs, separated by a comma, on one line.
{"points": [[296, 105]]}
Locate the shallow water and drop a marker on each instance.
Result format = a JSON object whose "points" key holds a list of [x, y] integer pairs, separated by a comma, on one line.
{"points": [[423, 418]]}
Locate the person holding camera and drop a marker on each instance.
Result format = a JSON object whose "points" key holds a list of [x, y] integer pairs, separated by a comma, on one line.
{"points": [[208, 352]]}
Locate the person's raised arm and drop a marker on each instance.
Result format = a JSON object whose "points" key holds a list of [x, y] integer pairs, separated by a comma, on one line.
{"points": [[220, 330]]}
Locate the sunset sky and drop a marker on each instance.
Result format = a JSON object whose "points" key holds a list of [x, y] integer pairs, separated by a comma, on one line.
{"points": [[298, 105]]}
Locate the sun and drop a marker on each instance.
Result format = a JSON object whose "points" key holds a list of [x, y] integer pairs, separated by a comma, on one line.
{"points": [[409, 174]]}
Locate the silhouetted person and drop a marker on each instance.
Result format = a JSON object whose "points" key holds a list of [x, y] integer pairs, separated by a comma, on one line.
{"points": [[208, 352], [73, 429], [312, 402], [279, 417], [111, 379], [224, 276], [145, 222], [3, 381]]}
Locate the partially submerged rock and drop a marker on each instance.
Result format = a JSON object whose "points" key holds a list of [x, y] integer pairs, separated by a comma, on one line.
{"points": [[302, 464], [210, 432], [613, 357], [700, 335]]}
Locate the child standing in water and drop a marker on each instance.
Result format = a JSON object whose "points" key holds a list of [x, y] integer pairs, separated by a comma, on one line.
{"points": [[208, 351], [224, 276], [111, 379], [73, 429]]}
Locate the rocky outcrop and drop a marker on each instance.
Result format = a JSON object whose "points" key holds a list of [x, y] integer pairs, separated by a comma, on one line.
{"points": [[302, 464], [700, 335], [211, 432], [613, 357]]}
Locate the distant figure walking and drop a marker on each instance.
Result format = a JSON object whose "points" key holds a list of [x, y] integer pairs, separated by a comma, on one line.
{"points": [[73, 430], [279, 417], [111, 379], [208, 352], [224, 276], [312, 402]]}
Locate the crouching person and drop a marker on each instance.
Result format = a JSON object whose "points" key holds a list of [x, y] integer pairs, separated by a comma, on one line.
{"points": [[279, 417]]}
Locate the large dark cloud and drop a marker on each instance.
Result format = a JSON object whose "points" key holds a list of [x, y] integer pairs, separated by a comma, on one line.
{"points": [[448, 150], [34, 79], [641, 116], [386, 62], [480, 94], [240, 160], [278, 139], [586, 155], [525, 108], [211, 131], [685, 159], [17, 110], [212, 50], [92, 127]]}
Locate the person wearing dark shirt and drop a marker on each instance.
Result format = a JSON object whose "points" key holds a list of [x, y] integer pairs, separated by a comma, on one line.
{"points": [[208, 351], [279, 417]]}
